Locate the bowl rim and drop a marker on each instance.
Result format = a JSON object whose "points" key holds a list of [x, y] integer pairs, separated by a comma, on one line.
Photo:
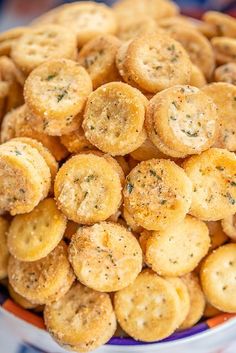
{"points": [[147, 346]]}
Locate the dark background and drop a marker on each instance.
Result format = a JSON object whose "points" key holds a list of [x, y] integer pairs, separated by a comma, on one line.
{"points": [[18, 12]]}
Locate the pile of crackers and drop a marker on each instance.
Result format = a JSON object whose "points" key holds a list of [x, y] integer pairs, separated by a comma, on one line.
{"points": [[117, 169]]}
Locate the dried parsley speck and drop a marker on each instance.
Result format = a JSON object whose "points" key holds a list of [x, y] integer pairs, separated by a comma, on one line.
{"points": [[50, 77], [189, 133], [163, 202], [61, 96], [89, 178], [220, 168], [130, 187], [230, 198], [18, 153], [233, 183]]}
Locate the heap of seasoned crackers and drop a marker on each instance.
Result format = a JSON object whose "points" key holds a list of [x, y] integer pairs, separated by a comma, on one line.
{"points": [[117, 169]]}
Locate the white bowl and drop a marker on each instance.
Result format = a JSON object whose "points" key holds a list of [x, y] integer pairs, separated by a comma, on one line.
{"points": [[210, 341]]}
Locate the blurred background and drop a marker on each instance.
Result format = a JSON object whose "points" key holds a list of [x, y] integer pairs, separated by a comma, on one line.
{"points": [[19, 12]]}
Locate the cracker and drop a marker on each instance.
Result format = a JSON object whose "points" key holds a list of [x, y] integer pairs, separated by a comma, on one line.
{"points": [[49, 17], [179, 249], [45, 153], [105, 257], [156, 9], [56, 93], [184, 297], [157, 193], [218, 278], [197, 77], [217, 234], [147, 151], [4, 253], [88, 189], [225, 49], [43, 43], [17, 123], [114, 117], [91, 316], [226, 73], [130, 221], [149, 308], [25, 177], [32, 236], [98, 58], [182, 120], [213, 177], [9, 72], [197, 46], [13, 33], [18, 299], [6, 46], [210, 311], [229, 226], [225, 24], [34, 153], [42, 281], [220, 93], [173, 21], [139, 26], [197, 301], [71, 229], [155, 62], [76, 141], [88, 20], [123, 164], [112, 161], [145, 234]]}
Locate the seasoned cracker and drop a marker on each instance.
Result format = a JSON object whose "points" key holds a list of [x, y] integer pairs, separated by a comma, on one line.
{"points": [[25, 177], [226, 73], [217, 234], [34, 235], [213, 177], [225, 49], [156, 9], [197, 46], [88, 20], [56, 93], [221, 93], [157, 193], [229, 226], [41, 44], [45, 280], [17, 123], [139, 26], [224, 24], [197, 301], [154, 62], [105, 257], [149, 308], [98, 58], [182, 120], [197, 77], [130, 221], [184, 297], [91, 316], [147, 151], [88, 189], [4, 253], [114, 118], [179, 249], [218, 278], [23, 302]]}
